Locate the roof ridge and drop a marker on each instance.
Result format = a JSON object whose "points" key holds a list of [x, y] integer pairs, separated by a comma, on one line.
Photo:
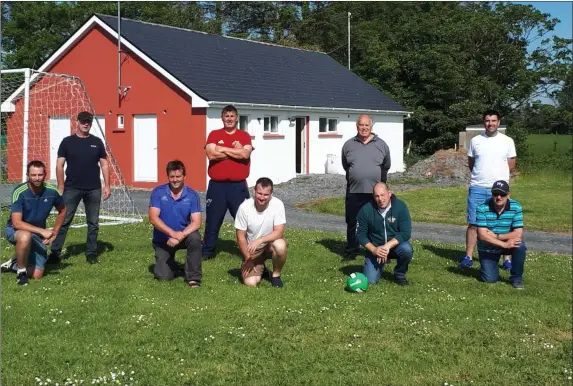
{"points": [[206, 33]]}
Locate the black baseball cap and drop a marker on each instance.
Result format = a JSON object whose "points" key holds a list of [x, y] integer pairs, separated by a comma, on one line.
{"points": [[500, 186], [85, 116]]}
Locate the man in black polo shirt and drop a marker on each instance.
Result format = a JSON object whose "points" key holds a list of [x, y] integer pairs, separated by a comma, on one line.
{"points": [[84, 154], [366, 160]]}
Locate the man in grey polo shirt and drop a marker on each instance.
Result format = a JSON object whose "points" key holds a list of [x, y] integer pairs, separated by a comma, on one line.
{"points": [[366, 160]]}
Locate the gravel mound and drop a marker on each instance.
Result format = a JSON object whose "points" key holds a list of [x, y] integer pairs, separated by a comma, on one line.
{"points": [[444, 164]]}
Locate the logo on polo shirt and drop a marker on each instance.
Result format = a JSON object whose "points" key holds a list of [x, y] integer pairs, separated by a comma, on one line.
{"points": [[221, 142], [45, 200], [392, 219], [164, 198], [94, 146]]}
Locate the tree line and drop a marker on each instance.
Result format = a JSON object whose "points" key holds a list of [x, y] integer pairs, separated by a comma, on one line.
{"points": [[444, 61]]}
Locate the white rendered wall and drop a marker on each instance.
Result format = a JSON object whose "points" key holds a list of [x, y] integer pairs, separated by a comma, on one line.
{"points": [[275, 157], [388, 127]]}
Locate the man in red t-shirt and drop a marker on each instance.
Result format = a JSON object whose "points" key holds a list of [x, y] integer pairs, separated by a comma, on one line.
{"points": [[229, 152]]}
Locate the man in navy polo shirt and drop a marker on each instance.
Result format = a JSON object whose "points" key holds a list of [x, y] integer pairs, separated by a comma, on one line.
{"points": [[175, 213], [500, 232], [32, 203], [84, 154]]}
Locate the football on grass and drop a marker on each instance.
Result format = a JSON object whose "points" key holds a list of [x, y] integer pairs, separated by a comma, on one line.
{"points": [[357, 282]]}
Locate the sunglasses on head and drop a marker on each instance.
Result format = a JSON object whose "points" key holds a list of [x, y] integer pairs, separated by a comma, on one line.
{"points": [[501, 194]]}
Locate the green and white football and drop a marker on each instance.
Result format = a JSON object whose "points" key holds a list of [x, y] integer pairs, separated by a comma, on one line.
{"points": [[357, 282]]}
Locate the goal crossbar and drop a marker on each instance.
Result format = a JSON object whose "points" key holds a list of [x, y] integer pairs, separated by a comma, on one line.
{"points": [[32, 104]]}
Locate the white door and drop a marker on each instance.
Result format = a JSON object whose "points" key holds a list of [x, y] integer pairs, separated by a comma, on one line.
{"points": [[145, 148], [59, 129], [95, 130]]}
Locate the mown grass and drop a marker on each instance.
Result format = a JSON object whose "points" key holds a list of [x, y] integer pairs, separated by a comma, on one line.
{"points": [[82, 323], [546, 200], [540, 144]]}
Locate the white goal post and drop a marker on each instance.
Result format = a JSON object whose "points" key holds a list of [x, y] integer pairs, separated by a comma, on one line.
{"points": [[38, 109]]}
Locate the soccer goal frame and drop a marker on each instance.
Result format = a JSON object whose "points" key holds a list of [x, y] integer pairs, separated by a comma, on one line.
{"points": [[27, 112]]}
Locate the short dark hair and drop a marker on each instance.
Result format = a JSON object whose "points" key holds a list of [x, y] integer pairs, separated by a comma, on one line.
{"points": [[491, 112], [175, 165], [265, 182], [35, 164], [229, 108]]}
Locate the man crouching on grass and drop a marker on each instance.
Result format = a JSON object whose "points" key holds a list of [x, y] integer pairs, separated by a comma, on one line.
{"points": [[260, 225], [500, 232], [32, 203], [175, 213]]}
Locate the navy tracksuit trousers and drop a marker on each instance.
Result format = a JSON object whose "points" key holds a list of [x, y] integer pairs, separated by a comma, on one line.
{"points": [[221, 196]]}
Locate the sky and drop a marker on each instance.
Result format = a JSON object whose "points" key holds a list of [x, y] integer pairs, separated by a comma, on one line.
{"points": [[562, 10]]}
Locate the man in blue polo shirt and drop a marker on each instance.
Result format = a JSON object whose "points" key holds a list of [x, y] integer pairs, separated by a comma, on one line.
{"points": [[175, 213], [500, 232], [32, 203]]}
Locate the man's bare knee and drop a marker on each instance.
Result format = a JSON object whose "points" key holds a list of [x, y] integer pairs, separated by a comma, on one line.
{"points": [[251, 281], [279, 247], [37, 274], [23, 237]]}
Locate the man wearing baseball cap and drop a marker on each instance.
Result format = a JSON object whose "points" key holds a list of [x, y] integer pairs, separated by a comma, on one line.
{"points": [[84, 154], [500, 232]]}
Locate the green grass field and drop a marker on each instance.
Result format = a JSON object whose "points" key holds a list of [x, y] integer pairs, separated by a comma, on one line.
{"points": [[113, 324], [540, 144], [546, 200]]}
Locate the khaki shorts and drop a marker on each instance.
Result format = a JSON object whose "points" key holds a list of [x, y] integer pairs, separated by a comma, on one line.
{"points": [[263, 255]]}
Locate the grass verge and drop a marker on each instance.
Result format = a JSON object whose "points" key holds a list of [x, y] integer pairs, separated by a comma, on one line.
{"points": [[546, 200]]}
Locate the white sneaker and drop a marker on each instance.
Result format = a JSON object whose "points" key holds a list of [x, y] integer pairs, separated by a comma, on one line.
{"points": [[9, 266]]}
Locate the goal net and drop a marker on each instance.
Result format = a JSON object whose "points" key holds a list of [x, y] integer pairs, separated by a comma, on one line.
{"points": [[37, 111]]}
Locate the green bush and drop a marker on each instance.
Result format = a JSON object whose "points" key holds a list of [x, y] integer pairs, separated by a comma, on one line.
{"points": [[519, 135]]}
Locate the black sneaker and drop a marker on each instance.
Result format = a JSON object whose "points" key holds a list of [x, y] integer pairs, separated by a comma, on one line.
{"points": [[401, 282], [54, 258], [517, 284], [8, 265], [92, 260], [22, 278], [276, 282]]}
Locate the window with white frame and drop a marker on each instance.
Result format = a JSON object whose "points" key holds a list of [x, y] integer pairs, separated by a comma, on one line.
{"points": [[328, 125], [244, 123], [271, 124]]}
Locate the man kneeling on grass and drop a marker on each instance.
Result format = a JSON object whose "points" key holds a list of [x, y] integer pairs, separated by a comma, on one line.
{"points": [[260, 225], [175, 213], [32, 203], [500, 232], [384, 228]]}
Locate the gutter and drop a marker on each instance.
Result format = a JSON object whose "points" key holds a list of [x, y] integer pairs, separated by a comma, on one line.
{"points": [[301, 108]]}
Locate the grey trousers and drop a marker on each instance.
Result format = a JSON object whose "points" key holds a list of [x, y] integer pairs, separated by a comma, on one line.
{"points": [[165, 265]]}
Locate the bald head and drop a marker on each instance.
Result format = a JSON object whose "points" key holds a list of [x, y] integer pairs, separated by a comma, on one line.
{"points": [[381, 194], [364, 126]]}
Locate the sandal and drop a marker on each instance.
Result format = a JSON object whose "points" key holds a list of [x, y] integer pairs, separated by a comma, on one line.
{"points": [[194, 284]]}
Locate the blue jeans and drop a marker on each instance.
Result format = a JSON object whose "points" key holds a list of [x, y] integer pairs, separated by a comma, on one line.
{"points": [[92, 201], [403, 254], [489, 271], [38, 256], [477, 195]]}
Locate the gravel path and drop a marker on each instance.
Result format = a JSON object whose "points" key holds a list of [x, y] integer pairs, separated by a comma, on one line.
{"points": [[311, 187]]}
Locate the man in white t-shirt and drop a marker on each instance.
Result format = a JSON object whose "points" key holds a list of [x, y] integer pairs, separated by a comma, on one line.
{"points": [[491, 157], [260, 224]]}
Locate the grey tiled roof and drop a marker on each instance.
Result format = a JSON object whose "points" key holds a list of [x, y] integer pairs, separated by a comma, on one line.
{"points": [[224, 69]]}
